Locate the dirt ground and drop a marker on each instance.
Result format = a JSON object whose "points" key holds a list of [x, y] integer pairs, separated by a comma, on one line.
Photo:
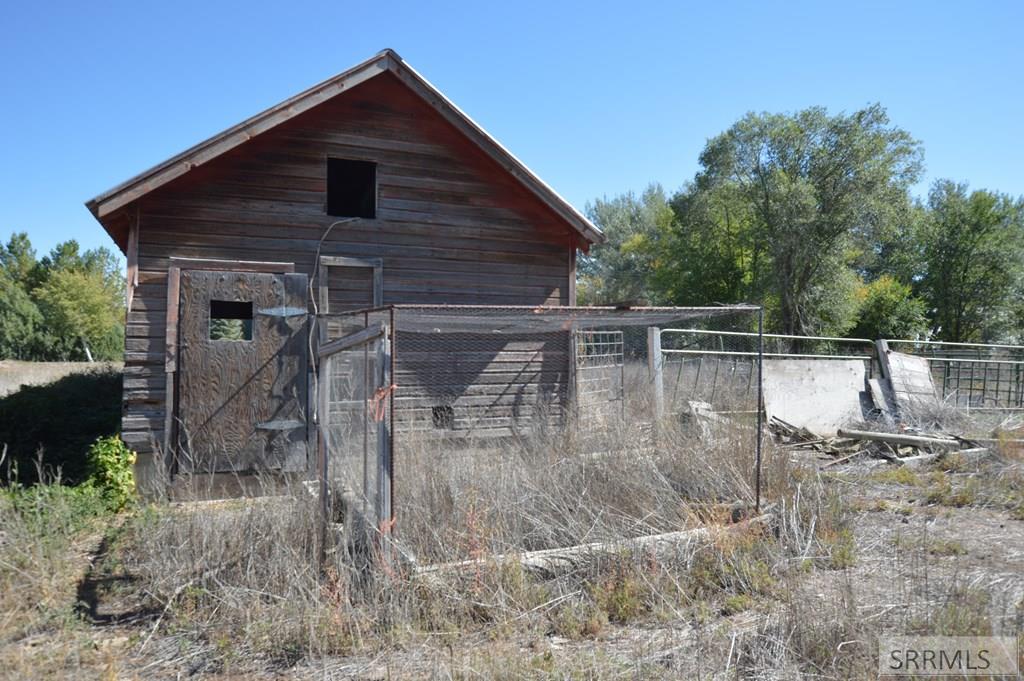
{"points": [[914, 555]]}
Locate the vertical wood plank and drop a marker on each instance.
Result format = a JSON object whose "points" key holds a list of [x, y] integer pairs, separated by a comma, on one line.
{"points": [[171, 332], [572, 273], [170, 364], [132, 257], [378, 285]]}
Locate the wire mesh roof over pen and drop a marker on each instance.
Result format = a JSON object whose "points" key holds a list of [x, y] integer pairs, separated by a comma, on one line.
{"points": [[527, 319]]}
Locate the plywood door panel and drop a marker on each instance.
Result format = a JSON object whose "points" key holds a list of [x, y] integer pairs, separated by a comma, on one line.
{"points": [[241, 402]]}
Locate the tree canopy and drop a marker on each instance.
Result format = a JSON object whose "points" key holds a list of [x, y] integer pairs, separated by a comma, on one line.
{"points": [[811, 215], [68, 305]]}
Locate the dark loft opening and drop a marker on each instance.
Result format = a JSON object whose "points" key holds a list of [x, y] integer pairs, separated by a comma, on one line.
{"points": [[230, 320], [351, 188], [443, 416]]}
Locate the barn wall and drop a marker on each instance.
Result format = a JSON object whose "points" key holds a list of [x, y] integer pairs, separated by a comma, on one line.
{"points": [[451, 226]]}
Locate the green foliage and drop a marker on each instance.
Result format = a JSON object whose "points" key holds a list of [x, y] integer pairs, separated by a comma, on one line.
{"points": [[713, 253], [79, 306], [888, 309], [817, 189], [972, 251], [796, 212], [66, 306], [51, 510], [21, 322], [111, 467], [619, 270], [59, 422]]}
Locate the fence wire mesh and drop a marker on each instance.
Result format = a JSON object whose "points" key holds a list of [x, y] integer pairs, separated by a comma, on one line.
{"points": [[355, 410], [972, 375], [464, 381], [501, 371]]}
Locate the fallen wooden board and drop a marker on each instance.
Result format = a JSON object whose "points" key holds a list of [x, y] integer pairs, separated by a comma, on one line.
{"points": [[972, 454], [899, 439], [549, 563], [819, 395], [881, 397]]}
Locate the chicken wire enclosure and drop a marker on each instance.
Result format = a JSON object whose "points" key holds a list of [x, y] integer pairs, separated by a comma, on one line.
{"points": [[354, 412], [447, 382]]}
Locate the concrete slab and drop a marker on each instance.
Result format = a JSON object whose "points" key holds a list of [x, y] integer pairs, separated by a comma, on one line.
{"points": [[821, 395], [911, 379]]}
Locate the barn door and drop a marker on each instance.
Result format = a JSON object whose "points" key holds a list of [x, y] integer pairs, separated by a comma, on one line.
{"points": [[242, 361]]}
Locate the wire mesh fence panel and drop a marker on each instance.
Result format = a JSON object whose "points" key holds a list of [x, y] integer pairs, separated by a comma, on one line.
{"points": [[355, 410], [600, 372], [711, 366], [478, 384], [351, 433], [972, 375], [503, 371], [471, 385]]}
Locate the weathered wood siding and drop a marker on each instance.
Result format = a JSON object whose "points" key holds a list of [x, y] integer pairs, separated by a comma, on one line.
{"points": [[451, 226], [492, 384]]}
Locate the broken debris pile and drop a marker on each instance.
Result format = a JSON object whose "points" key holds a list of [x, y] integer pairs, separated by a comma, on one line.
{"points": [[904, 448], [811, 404]]}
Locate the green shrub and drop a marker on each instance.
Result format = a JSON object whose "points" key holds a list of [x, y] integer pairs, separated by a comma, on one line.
{"points": [[48, 512], [111, 471]]}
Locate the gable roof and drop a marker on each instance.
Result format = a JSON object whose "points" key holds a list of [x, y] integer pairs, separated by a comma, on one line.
{"points": [[108, 202]]}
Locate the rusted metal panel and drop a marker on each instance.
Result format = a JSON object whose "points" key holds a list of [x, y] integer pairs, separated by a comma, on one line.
{"points": [[238, 399]]}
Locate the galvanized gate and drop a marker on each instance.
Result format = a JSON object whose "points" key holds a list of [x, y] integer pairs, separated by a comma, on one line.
{"points": [[600, 372]]}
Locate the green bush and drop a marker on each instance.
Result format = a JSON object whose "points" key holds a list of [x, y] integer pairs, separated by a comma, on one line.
{"points": [[58, 422], [888, 309], [111, 471], [48, 511]]}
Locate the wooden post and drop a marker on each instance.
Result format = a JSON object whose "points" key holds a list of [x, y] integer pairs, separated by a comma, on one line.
{"points": [[655, 364]]}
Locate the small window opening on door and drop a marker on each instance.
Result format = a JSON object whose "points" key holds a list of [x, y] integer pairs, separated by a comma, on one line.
{"points": [[230, 320]]}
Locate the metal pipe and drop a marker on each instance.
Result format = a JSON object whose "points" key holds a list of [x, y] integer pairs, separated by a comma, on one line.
{"points": [[959, 345], [760, 410], [760, 354], [768, 335]]}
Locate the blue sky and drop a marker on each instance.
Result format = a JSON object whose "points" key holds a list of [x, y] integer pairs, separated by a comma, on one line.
{"points": [[598, 98]]}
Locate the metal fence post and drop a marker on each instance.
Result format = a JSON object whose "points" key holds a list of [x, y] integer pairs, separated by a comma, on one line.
{"points": [[655, 364], [760, 410], [323, 452]]}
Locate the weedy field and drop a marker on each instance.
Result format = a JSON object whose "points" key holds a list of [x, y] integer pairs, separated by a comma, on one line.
{"points": [[233, 589]]}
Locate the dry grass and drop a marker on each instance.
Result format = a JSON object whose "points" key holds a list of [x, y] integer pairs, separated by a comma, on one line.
{"points": [[235, 587]]}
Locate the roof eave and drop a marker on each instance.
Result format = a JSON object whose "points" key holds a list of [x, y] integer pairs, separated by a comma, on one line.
{"points": [[105, 204]]}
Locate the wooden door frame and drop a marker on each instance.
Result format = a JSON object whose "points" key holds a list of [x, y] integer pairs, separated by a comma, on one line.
{"points": [[171, 332], [326, 261]]}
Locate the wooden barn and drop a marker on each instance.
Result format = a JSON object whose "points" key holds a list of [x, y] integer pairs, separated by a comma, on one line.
{"points": [[372, 180]]}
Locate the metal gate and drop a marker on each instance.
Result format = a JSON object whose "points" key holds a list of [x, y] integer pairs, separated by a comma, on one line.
{"points": [[600, 373], [354, 409]]}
